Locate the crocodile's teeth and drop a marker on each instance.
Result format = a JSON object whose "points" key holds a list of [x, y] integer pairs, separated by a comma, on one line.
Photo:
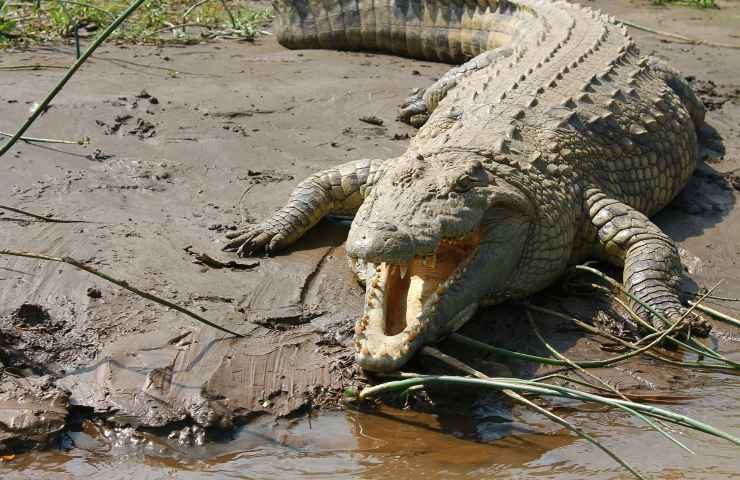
{"points": [[404, 269], [429, 261]]}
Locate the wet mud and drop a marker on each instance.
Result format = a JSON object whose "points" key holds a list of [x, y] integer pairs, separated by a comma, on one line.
{"points": [[188, 143]]}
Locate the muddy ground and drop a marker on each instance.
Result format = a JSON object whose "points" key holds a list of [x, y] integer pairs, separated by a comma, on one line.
{"points": [[187, 143]]}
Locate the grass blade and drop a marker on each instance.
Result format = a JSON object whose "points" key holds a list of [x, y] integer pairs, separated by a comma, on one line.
{"points": [[652, 424], [555, 418], [519, 385], [72, 70]]}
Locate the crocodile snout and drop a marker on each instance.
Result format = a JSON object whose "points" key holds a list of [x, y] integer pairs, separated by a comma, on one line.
{"points": [[380, 242]]}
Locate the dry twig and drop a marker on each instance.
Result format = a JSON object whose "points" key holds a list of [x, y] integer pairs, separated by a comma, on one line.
{"points": [[39, 217], [120, 283], [676, 36]]}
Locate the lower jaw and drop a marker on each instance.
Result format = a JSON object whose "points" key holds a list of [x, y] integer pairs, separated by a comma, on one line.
{"points": [[380, 353]]}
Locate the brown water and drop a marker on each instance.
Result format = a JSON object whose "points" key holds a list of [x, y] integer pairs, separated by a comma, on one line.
{"points": [[494, 442]]}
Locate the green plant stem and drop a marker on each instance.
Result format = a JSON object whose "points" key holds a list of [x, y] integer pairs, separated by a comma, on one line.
{"points": [[713, 297], [718, 315], [455, 363], [193, 7], [550, 361], [120, 283], [631, 345], [519, 385], [654, 411], [457, 337], [630, 396], [697, 347], [72, 70], [558, 419], [234, 24], [691, 348], [609, 387]]}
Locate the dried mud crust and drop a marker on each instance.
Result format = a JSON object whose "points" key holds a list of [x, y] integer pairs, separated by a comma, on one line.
{"points": [[714, 96], [33, 412], [233, 132], [33, 342]]}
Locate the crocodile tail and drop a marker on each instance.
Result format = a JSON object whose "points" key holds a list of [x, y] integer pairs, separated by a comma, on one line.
{"points": [[449, 31]]}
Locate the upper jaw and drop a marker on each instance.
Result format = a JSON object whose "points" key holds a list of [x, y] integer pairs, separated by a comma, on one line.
{"points": [[379, 242]]}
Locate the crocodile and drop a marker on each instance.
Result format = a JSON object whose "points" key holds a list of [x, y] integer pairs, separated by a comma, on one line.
{"points": [[551, 142]]}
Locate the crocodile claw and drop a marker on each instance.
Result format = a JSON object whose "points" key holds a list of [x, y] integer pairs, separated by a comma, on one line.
{"points": [[253, 239], [693, 324], [414, 110]]}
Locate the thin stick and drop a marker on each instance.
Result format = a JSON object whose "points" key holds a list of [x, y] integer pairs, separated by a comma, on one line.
{"points": [[39, 217], [175, 27], [699, 349], [29, 67], [609, 387], [580, 363], [559, 355], [718, 315], [455, 363], [632, 397], [698, 346], [713, 297], [47, 140], [231, 17], [631, 345], [583, 383], [518, 355], [519, 385], [693, 41], [675, 325], [648, 409], [458, 364], [193, 7], [120, 283], [58, 87], [649, 327], [552, 416]]}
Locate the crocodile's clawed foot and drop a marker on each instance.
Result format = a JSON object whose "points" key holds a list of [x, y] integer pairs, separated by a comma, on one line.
{"points": [[254, 238], [693, 324], [414, 109]]}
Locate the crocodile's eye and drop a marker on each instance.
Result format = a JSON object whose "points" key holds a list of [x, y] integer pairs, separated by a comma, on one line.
{"points": [[462, 184]]}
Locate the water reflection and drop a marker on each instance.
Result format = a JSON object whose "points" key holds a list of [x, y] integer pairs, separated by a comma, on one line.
{"points": [[487, 440]]}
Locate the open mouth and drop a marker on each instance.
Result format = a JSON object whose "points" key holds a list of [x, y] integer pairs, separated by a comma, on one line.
{"points": [[402, 297]]}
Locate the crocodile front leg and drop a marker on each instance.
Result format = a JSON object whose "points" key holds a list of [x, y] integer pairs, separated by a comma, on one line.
{"points": [[652, 266], [338, 190]]}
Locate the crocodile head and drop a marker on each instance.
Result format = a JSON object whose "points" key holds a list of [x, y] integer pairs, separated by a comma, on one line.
{"points": [[430, 235]]}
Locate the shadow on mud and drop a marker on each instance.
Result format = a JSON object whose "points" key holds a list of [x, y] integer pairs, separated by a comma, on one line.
{"points": [[707, 199]]}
